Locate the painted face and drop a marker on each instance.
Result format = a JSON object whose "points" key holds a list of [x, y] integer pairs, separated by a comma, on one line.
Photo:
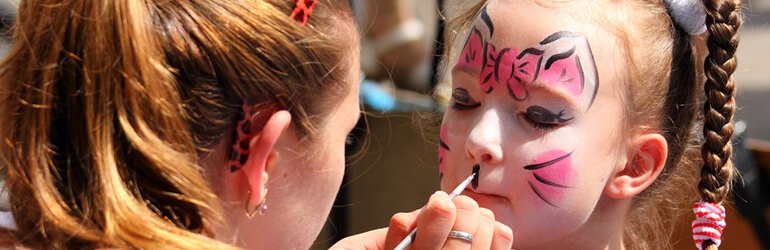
{"points": [[528, 107]]}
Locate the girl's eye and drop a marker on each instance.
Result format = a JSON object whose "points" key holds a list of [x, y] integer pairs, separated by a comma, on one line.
{"points": [[459, 106], [543, 127], [462, 100], [543, 119]]}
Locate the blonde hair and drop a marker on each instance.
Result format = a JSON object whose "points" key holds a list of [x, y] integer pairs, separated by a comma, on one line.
{"points": [[668, 91], [108, 104]]}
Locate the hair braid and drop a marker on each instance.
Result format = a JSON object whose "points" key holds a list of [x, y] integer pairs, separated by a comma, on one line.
{"points": [[723, 21]]}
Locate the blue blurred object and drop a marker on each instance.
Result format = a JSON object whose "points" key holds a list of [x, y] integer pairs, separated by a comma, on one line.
{"points": [[384, 100], [371, 94]]}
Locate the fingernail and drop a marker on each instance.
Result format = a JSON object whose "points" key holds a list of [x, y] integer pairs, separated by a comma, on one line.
{"points": [[439, 194]]}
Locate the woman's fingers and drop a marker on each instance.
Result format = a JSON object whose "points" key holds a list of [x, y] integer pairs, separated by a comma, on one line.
{"points": [[466, 223], [435, 222], [486, 230], [401, 224], [503, 238], [461, 216]]}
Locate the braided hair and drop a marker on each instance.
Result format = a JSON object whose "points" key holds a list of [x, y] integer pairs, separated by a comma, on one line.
{"points": [[723, 20]]}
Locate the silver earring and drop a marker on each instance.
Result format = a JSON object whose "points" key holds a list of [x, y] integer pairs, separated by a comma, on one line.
{"points": [[261, 208]]}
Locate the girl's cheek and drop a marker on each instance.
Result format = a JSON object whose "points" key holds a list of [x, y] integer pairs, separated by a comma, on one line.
{"points": [[443, 148], [550, 176]]}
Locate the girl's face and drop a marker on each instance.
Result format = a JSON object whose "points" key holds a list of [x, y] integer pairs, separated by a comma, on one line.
{"points": [[536, 103]]}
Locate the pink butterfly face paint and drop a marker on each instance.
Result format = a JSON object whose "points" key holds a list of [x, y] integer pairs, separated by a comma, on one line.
{"points": [[561, 60], [550, 174]]}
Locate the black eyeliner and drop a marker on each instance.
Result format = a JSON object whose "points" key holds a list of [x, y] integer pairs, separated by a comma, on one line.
{"points": [[462, 100], [544, 115]]}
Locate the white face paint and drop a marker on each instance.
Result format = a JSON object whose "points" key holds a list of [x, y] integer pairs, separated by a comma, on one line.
{"points": [[528, 108]]}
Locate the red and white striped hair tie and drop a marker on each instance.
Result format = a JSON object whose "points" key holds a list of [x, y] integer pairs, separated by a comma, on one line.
{"points": [[708, 224]]}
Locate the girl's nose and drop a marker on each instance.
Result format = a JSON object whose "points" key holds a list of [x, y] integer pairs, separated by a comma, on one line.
{"points": [[484, 142]]}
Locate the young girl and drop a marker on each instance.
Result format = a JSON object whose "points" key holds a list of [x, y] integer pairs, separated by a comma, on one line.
{"points": [[582, 117]]}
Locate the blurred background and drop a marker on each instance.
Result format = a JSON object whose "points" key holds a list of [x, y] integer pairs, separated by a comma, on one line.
{"points": [[393, 162]]}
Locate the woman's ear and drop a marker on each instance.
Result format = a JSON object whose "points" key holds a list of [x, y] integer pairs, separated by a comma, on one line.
{"points": [[645, 165], [262, 154]]}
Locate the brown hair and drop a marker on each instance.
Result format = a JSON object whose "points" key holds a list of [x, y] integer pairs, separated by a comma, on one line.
{"points": [[663, 69], [108, 104]]}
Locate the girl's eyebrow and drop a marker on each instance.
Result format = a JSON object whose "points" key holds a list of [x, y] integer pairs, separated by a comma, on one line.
{"points": [[547, 88], [462, 67]]}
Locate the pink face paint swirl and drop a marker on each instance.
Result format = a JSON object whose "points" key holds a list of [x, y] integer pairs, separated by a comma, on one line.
{"points": [[552, 173]]}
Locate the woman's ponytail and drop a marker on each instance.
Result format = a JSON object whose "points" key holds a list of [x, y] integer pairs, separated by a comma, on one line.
{"points": [[97, 147]]}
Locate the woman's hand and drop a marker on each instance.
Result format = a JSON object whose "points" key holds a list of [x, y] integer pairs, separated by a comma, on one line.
{"points": [[434, 223]]}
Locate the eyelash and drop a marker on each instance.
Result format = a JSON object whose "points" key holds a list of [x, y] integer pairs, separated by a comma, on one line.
{"points": [[462, 94], [542, 127], [459, 106]]}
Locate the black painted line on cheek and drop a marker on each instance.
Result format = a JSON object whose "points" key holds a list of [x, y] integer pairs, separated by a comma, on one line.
{"points": [[537, 192], [549, 183], [548, 163]]}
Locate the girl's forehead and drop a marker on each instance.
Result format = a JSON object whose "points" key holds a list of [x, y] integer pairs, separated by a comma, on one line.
{"points": [[524, 23]]}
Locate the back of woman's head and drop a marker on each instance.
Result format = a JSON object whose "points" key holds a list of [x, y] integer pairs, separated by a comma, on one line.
{"points": [[109, 103]]}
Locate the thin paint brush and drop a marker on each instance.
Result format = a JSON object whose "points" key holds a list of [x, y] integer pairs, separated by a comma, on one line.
{"points": [[459, 189]]}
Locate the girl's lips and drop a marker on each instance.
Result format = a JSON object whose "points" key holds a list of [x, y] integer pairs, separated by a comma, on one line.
{"points": [[484, 198]]}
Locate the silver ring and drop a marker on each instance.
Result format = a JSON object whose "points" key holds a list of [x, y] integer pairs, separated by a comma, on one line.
{"points": [[461, 235]]}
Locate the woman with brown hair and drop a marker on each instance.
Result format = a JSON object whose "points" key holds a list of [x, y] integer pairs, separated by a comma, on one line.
{"points": [[163, 124]]}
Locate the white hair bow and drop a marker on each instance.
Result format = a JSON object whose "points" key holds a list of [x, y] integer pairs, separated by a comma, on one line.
{"points": [[688, 14]]}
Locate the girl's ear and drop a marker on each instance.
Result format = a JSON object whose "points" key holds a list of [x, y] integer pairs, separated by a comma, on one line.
{"points": [[645, 165], [262, 155]]}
